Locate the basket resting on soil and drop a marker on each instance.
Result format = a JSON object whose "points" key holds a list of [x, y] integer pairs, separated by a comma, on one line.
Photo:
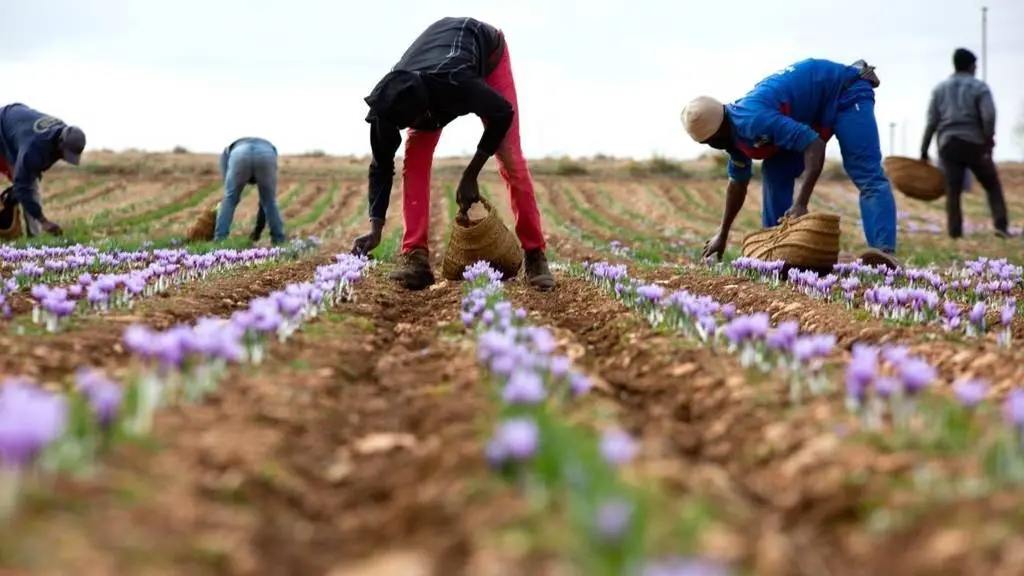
{"points": [[202, 229], [485, 239], [10, 215], [809, 241]]}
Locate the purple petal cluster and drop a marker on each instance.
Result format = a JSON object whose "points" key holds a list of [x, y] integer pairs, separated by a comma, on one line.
{"points": [[62, 280], [30, 419], [961, 298], [103, 394]]}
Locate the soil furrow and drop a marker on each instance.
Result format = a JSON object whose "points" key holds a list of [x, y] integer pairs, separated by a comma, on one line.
{"points": [[778, 477], [343, 203], [357, 440]]}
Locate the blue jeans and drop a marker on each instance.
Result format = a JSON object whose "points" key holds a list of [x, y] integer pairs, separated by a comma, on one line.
{"points": [[857, 132], [251, 161]]}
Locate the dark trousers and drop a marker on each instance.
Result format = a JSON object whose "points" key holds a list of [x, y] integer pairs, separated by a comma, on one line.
{"points": [[958, 156]]}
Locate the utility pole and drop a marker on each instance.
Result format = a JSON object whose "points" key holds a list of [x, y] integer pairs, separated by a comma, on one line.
{"points": [[892, 138], [984, 43], [903, 144]]}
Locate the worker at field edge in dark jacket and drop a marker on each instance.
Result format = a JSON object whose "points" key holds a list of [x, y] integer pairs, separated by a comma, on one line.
{"points": [[786, 119], [30, 143], [962, 113], [457, 66]]}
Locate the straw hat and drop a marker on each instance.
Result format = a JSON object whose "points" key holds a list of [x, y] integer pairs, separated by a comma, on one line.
{"points": [[702, 117]]}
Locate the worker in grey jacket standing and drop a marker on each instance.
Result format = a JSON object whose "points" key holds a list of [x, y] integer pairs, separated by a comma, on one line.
{"points": [[250, 161], [963, 114]]}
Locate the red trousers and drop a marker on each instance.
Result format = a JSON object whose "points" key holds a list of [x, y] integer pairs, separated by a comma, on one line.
{"points": [[419, 157]]}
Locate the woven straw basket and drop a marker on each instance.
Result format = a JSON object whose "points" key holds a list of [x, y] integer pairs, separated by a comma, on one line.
{"points": [[10, 216], [202, 229], [810, 241], [485, 239], [917, 179]]}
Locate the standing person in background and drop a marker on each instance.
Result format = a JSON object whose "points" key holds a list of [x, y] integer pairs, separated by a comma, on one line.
{"points": [[250, 161], [963, 115], [457, 66], [31, 142], [786, 119]]}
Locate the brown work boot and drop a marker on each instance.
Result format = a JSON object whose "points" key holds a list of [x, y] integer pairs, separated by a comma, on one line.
{"points": [[537, 272], [413, 271], [876, 257]]}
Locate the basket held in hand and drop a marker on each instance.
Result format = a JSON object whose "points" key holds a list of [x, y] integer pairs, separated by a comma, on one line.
{"points": [[810, 241], [915, 178], [485, 239], [202, 229], [10, 216]]}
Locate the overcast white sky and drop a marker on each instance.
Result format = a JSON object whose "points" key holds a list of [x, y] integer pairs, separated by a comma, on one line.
{"points": [[594, 76]]}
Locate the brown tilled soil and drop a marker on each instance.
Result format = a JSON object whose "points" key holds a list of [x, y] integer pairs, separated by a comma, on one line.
{"points": [[355, 448], [779, 475]]}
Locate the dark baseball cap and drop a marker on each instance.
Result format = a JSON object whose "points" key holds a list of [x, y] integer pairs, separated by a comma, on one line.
{"points": [[72, 144]]}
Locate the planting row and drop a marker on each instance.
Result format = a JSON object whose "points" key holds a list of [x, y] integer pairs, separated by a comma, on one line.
{"points": [[50, 432], [538, 451], [887, 390], [968, 299], [62, 288]]}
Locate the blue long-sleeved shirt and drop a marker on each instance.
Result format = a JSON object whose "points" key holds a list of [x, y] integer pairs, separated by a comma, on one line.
{"points": [[788, 110], [30, 144]]}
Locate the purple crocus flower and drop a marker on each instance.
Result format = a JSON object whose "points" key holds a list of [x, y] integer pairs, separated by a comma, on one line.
{"points": [[886, 386], [617, 447], [579, 384], [970, 393], [977, 315], [140, 340], [559, 366], [524, 387], [30, 419], [784, 335], [518, 437], [104, 395], [916, 375], [1013, 409], [613, 519], [1007, 312], [861, 371], [895, 354], [504, 364], [495, 453]]}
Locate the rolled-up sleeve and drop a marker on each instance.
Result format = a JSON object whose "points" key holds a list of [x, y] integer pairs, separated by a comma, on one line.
{"points": [[739, 166]]}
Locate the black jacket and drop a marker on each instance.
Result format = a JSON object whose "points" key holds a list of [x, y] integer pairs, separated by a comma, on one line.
{"points": [[440, 77]]}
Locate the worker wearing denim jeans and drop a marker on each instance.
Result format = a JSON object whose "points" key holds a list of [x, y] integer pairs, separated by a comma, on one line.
{"points": [[786, 120], [250, 161]]}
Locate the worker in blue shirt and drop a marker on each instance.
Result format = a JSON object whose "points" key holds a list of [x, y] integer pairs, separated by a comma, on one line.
{"points": [[31, 142], [785, 121]]}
